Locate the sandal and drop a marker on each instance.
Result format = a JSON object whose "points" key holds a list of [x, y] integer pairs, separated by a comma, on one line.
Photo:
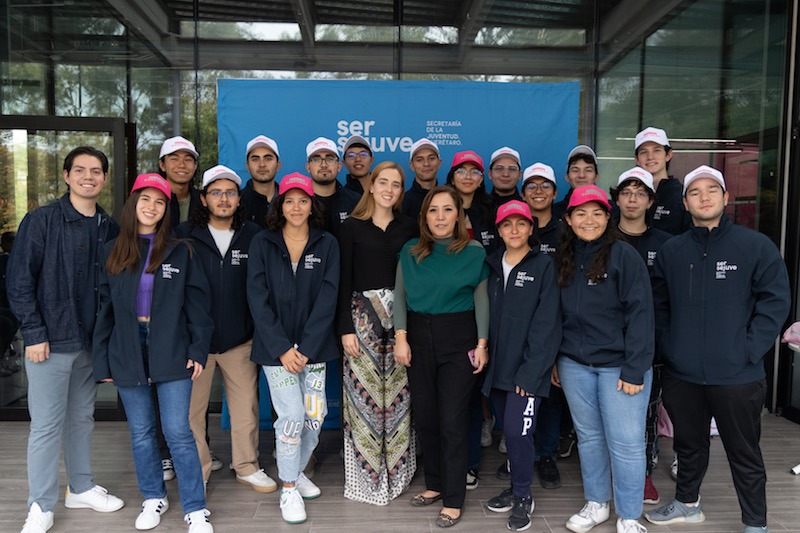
{"points": [[445, 520], [421, 501]]}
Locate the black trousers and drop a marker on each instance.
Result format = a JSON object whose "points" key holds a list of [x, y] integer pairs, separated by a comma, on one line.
{"points": [[440, 378], [737, 410]]}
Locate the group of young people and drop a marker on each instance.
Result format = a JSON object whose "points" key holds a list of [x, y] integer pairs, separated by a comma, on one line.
{"points": [[435, 298]]}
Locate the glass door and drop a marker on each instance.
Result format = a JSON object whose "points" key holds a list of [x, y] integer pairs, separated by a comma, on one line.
{"points": [[32, 151]]}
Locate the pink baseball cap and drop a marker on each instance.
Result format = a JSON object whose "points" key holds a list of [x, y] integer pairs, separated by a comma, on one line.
{"points": [[155, 181], [467, 156], [588, 193], [295, 180], [514, 207]]}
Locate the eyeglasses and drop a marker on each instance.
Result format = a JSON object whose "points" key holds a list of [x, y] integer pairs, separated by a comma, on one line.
{"points": [[639, 195], [216, 194], [462, 173], [533, 186], [353, 155], [317, 159], [503, 168]]}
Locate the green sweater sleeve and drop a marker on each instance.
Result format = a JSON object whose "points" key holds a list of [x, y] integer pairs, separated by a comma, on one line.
{"points": [[481, 295], [400, 309]]}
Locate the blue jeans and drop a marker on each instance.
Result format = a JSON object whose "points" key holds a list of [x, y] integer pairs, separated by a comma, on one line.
{"points": [[611, 436], [61, 395], [300, 403], [173, 400]]}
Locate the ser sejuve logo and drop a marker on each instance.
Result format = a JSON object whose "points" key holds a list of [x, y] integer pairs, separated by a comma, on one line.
{"points": [[309, 260], [167, 270], [723, 267], [237, 256], [522, 277]]}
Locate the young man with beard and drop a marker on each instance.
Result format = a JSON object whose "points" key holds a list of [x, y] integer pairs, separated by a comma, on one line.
{"points": [[324, 165], [634, 196], [581, 170], [221, 240], [653, 153], [425, 161], [52, 279], [262, 160], [722, 296], [505, 171], [358, 159], [178, 163]]}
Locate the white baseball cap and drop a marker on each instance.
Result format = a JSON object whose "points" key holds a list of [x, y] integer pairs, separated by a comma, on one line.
{"points": [[423, 143], [356, 139], [655, 135], [637, 173], [505, 151], [582, 149], [220, 172], [703, 171], [539, 170], [321, 143], [175, 144], [262, 141]]}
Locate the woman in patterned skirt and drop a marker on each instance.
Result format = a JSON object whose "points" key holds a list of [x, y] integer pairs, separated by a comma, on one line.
{"points": [[378, 442]]}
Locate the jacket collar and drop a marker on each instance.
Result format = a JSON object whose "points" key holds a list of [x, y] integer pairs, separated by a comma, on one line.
{"points": [[495, 259], [703, 234], [71, 214]]}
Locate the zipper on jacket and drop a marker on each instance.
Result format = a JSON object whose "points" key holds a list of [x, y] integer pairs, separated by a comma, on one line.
{"points": [[691, 275]]}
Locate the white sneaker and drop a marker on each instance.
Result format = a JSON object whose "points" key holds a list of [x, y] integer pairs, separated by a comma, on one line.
{"points": [[625, 525], [198, 521], [38, 521], [486, 432], [502, 448], [97, 498], [216, 462], [593, 513], [293, 509], [260, 481], [673, 468], [306, 488], [152, 509], [168, 469]]}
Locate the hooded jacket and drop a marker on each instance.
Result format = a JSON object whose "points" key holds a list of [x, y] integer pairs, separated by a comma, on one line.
{"points": [[227, 279], [721, 298], [180, 320], [668, 212], [293, 308], [611, 323], [524, 325]]}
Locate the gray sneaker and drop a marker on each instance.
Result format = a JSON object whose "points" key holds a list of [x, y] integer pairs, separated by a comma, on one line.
{"points": [[675, 512], [755, 529]]}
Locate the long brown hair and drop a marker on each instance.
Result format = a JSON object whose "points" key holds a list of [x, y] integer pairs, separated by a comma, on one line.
{"points": [[565, 255], [125, 253], [426, 239], [366, 206]]}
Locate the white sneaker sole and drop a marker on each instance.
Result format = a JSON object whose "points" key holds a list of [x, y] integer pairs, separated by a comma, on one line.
{"points": [[259, 488]]}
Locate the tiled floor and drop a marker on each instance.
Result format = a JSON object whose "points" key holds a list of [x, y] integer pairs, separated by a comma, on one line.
{"points": [[237, 509]]}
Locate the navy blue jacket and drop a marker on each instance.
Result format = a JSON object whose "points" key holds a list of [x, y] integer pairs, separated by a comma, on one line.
{"points": [[610, 324], [524, 324], [180, 321], [412, 200], [254, 205], [668, 212], [227, 278], [291, 308], [44, 287], [721, 299], [483, 229], [338, 207], [548, 236], [648, 244], [175, 207]]}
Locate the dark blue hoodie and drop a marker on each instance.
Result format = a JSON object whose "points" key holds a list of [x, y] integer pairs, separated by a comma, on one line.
{"points": [[721, 298], [293, 308], [524, 325], [609, 324]]}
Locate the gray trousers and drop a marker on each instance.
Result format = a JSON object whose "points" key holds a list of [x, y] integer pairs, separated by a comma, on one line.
{"points": [[61, 396]]}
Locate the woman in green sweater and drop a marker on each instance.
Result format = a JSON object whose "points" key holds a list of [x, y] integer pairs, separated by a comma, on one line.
{"points": [[441, 313]]}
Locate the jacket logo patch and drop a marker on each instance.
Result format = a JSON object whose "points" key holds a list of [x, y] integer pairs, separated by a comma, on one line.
{"points": [[661, 211], [167, 270], [343, 215], [237, 256], [522, 277], [486, 238], [651, 257], [309, 260], [546, 248], [723, 268], [592, 283]]}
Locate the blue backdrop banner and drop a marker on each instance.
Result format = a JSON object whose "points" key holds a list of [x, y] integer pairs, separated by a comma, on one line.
{"points": [[540, 120]]}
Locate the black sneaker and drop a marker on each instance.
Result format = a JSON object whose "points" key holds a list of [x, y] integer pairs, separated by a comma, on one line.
{"points": [[501, 503], [503, 472], [520, 518], [472, 479], [566, 444], [549, 478]]}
